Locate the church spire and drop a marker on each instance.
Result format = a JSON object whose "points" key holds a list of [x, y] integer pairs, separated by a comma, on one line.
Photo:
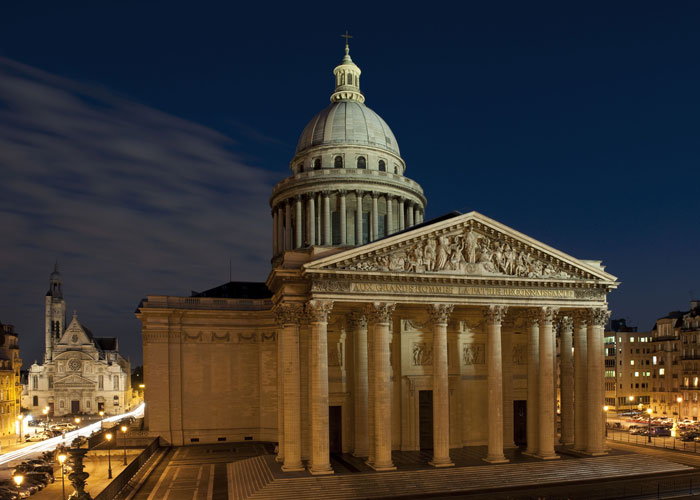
{"points": [[347, 77]]}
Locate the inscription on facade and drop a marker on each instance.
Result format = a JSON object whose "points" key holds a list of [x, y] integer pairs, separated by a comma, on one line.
{"points": [[460, 290]]}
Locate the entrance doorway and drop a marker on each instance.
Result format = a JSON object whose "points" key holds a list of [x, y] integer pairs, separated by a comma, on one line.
{"points": [[75, 407], [100, 406], [425, 419], [520, 422], [335, 429], [51, 410]]}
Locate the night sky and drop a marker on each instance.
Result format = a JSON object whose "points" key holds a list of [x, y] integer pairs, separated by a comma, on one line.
{"points": [[139, 142]]}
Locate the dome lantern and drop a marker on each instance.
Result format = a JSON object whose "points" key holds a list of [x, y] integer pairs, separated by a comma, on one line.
{"points": [[347, 79]]}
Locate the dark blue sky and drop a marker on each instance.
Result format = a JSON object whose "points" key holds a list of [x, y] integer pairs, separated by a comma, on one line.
{"points": [[141, 141]]}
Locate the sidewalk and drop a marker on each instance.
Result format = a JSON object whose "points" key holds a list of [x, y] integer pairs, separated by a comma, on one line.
{"points": [[95, 465]]}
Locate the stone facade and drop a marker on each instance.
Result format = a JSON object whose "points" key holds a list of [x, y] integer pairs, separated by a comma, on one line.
{"points": [[435, 335], [10, 385], [81, 374]]}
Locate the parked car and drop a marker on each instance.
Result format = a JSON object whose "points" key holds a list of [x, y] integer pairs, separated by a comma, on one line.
{"points": [[43, 477], [660, 431]]}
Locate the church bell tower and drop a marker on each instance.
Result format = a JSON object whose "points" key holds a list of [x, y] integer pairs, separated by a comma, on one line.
{"points": [[55, 312]]}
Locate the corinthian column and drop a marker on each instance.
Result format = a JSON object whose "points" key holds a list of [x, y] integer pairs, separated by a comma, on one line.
{"points": [[409, 210], [389, 216], [546, 386], [298, 243], [380, 314], [280, 397], [402, 215], [533, 371], [597, 318], [327, 239], [343, 219], [375, 217], [288, 224], [580, 380], [311, 221], [318, 311], [358, 324], [274, 232], [289, 315], [280, 228], [494, 318], [566, 326], [358, 218], [440, 316]]}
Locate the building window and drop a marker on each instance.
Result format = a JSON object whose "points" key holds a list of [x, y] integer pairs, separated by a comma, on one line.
{"points": [[661, 371], [116, 400], [61, 404], [338, 162], [101, 382], [35, 382], [50, 381], [361, 162], [382, 166], [115, 382], [317, 164], [301, 168], [35, 401]]}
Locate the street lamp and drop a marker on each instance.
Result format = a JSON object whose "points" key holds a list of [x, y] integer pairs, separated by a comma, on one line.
{"points": [[45, 411], [20, 417], [605, 409], [124, 428], [649, 410], [18, 481], [61, 459], [108, 436], [77, 421]]}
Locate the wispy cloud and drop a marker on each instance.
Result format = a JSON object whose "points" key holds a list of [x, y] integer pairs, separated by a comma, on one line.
{"points": [[131, 200]]}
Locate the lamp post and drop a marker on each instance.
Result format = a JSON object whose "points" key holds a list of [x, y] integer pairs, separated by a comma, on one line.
{"points": [[45, 411], [649, 410], [61, 459], [108, 436], [18, 481], [124, 428], [605, 409], [20, 417]]}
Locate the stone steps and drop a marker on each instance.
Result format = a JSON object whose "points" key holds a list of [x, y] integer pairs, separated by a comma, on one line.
{"points": [[253, 480]]}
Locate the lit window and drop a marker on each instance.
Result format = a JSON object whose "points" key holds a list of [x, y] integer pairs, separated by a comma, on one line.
{"points": [[632, 362], [661, 371], [695, 381], [653, 360], [631, 339], [636, 374]]}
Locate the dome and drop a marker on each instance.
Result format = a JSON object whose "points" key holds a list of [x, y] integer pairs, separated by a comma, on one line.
{"points": [[348, 122]]}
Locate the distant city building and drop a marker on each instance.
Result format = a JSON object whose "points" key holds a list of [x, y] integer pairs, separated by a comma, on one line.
{"points": [[81, 374], [10, 385], [627, 369]]}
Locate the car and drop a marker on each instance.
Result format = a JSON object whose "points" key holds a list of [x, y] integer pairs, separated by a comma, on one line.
{"points": [[8, 494], [689, 435], [43, 477]]}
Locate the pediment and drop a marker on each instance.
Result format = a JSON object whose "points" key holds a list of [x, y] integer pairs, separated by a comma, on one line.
{"points": [[466, 245], [74, 381], [74, 335]]}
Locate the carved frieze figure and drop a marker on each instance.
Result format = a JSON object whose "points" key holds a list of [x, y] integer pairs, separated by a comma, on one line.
{"points": [[473, 354], [519, 354], [335, 354], [422, 354]]}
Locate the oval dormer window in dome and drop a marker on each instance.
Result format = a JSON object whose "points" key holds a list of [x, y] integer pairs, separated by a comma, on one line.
{"points": [[382, 166], [338, 162], [361, 162]]}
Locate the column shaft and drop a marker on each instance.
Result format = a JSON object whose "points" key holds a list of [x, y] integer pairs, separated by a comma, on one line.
{"points": [[440, 314], [389, 216], [280, 397], [402, 215], [371, 396], [343, 220], [595, 378], [567, 381], [319, 219], [360, 380], [327, 237], [533, 362], [358, 218], [546, 386], [580, 383], [311, 221], [298, 224], [409, 212], [274, 232], [495, 316], [375, 218], [320, 456], [288, 225], [416, 214], [507, 377], [280, 228]]}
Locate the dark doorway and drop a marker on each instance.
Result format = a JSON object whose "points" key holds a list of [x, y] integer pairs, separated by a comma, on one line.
{"points": [[100, 406], [425, 419], [75, 407], [50, 409], [520, 422], [335, 429]]}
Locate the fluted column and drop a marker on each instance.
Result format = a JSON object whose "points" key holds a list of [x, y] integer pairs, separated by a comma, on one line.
{"points": [[298, 225], [358, 218], [371, 385], [343, 219], [494, 318], [380, 314], [595, 375], [358, 324], [409, 212], [545, 448], [389, 216], [507, 377], [311, 220], [580, 380], [327, 240], [375, 217], [533, 371], [318, 311], [280, 228], [402, 215], [280, 396], [566, 326], [289, 315], [440, 316], [288, 225], [274, 232]]}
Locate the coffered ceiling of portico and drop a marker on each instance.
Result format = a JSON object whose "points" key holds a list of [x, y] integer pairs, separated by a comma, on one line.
{"points": [[465, 246]]}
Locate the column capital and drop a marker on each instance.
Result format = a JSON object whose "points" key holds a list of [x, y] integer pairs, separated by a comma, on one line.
{"points": [[374, 194], [298, 198], [548, 314], [342, 192], [532, 317], [389, 197], [326, 193], [598, 316], [495, 314], [380, 312], [566, 323], [318, 310], [357, 319], [440, 313], [580, 318], [359, 193], [288, 313]]}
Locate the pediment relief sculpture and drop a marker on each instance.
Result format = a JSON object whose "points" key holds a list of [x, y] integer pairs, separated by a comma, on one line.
{"points": [[469, 251]]}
